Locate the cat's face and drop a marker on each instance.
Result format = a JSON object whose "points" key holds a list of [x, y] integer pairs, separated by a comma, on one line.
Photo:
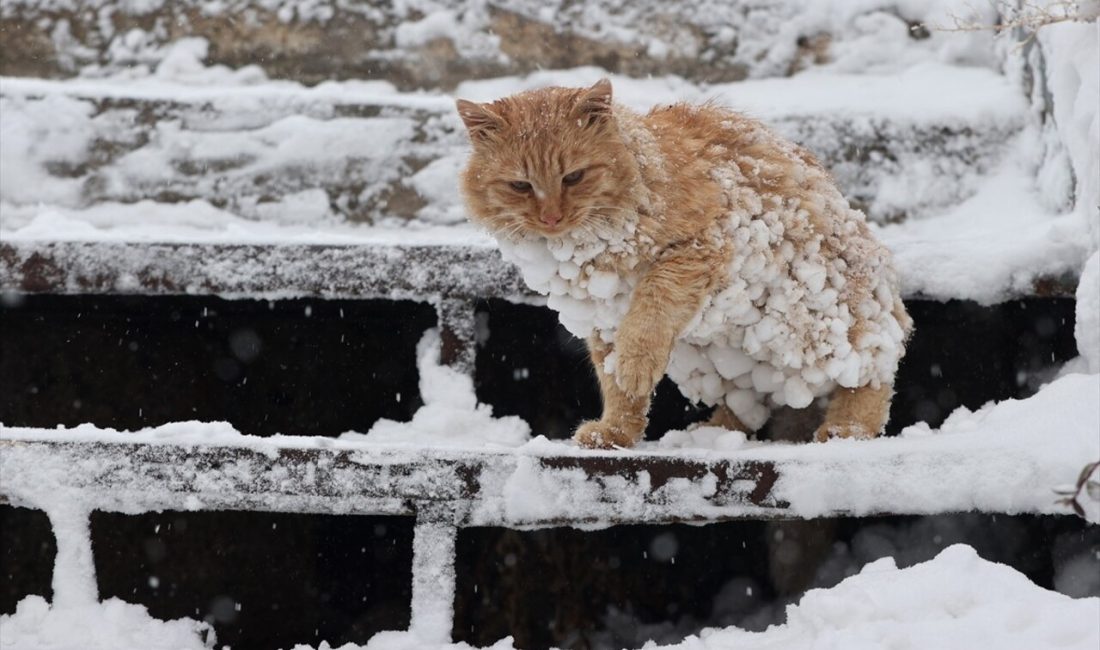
{"points": [[547, 162]]}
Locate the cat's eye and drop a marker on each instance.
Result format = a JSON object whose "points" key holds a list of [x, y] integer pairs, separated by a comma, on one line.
{"points": [[573, 178], [520, 186]]}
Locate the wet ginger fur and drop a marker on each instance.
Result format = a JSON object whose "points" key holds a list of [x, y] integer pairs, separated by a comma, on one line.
{"points": [[567, 163]]}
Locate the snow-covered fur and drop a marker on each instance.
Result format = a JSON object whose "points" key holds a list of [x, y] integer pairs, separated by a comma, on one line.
{"points": [[729, 242]]}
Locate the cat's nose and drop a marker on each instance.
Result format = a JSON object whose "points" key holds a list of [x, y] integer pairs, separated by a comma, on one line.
{"points": [[550, 218]]}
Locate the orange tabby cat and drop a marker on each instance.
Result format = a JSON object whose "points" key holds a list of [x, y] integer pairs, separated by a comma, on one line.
{"points": [[690, 241]]}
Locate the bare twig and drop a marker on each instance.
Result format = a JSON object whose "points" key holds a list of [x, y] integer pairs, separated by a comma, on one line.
{"points": [[1070, 497], [1025, 16]]}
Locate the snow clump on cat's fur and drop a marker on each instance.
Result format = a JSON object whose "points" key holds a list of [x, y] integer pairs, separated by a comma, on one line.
{"points": [[779, 329]]}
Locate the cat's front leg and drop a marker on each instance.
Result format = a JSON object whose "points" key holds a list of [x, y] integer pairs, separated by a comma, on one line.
{"points": [[642, 352], [856, 413], [624, 417], [664, 302]]}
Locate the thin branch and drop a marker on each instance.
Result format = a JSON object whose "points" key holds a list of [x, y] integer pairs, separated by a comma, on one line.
{"points": [[1072, 497], [1027, 16]]}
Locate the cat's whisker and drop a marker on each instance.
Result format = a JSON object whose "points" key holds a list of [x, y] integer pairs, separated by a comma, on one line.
{"points": [[609, 207], [598, 225]]}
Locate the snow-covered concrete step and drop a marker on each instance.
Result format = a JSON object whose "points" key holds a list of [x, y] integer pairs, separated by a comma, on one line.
{"points": [[430, 43], [451, 263], [322, 476], [901, 146], [1013, 457], [424, 268]]}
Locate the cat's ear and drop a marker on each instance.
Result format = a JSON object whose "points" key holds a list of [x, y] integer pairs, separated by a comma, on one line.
{"points": [[479, 120], [594, 103]]}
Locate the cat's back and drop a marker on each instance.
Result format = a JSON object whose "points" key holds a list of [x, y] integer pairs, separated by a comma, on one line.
{"points": [[693, 132], [715, 131], [697, 139]]}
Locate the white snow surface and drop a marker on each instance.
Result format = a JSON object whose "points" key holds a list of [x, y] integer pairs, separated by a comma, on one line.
{"points": [[1087, 326], [998, 240], [1072, 53], [761, 38], [109, 625], [1010, 456], [200, 222], [451, 415], [961, 94], [956, 601]]}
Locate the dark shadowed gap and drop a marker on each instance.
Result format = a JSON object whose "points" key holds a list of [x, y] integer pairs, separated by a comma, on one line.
{"points": [[624, 586], [961, 354], [305, 367], [27, 551], [264, 580], [966, 354]]}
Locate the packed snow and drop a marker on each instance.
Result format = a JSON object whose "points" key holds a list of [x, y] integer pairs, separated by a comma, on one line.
{"points": [[957, 600], [1087, 326], [109, 625], [1011, 457], [451, 414]]}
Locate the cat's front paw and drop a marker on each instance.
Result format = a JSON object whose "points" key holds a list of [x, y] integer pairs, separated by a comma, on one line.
{"points": [[637, 371], [842, 430], [600, 434]]}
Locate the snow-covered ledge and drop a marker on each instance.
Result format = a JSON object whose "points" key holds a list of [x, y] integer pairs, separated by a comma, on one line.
{"points": [[1006, 458]]}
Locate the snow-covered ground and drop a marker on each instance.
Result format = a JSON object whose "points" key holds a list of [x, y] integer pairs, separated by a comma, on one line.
{"points": [[108, 625], [955, 601]]}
